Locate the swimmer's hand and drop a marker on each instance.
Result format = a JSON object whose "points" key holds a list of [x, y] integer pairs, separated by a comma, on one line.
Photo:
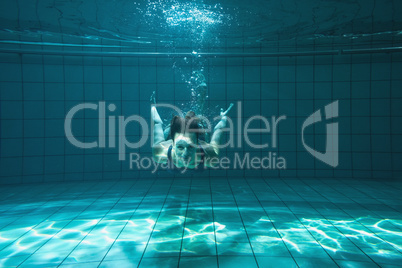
{"points": [[153, 99], [224, 113]]}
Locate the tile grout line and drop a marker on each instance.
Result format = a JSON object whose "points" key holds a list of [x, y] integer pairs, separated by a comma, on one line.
{"points": [[272, 222], [156, 221], [330, 223], [242, 221], [100, 220], [299, 219], [185, 220], [129, 219], [54, 213]]}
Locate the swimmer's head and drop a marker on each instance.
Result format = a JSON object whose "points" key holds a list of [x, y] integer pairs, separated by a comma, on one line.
{"points": [[185, 147], [185, 133]]}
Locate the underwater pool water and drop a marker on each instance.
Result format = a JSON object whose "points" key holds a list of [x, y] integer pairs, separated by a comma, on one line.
{"points": [[202, 223], [321, 189]]}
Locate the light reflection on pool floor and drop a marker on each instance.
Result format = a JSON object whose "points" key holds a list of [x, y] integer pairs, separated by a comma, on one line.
{"points": [[197, 222]]}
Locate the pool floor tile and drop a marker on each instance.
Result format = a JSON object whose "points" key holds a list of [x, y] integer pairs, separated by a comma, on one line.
{"points": [[243, 222]]}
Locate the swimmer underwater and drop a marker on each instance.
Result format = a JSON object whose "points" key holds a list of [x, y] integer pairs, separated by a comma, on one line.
{"points": [[182, 145]]}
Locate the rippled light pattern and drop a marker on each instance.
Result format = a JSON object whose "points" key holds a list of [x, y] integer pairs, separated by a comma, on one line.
{"points": [[195, 220]]}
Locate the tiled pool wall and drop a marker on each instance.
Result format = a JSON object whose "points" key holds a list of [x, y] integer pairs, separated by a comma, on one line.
{"points": [[37, 91]]}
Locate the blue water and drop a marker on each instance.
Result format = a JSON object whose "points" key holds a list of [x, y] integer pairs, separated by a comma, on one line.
{"points": [[320, 183], [292, 222]]}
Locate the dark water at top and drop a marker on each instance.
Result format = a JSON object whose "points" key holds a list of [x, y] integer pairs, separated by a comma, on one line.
{"points": [[201, 25]]}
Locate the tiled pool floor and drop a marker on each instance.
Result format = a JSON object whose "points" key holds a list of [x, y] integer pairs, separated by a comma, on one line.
{"points": [[203, 223]]}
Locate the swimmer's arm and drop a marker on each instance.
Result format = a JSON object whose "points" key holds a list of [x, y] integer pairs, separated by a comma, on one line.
{"points": [[211, 153], [216, 139], [156, 122], [157, 125], [159, 151]]}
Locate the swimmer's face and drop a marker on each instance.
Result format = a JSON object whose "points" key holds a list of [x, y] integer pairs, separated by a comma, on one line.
{"points": [[185, 146]]}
